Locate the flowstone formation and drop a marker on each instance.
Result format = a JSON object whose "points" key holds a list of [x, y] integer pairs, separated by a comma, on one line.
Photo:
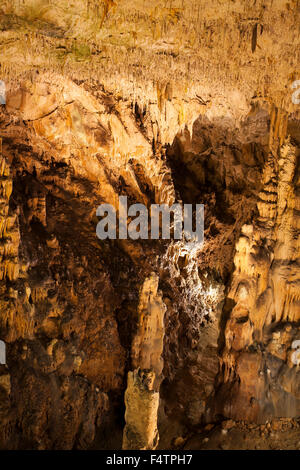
{"points": [[143, 344]]}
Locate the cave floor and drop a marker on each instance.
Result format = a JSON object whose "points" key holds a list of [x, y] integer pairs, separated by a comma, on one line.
{"points": [[280, 434]]}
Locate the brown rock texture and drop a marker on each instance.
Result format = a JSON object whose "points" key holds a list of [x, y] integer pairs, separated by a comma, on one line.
{"points": [[148, 343]]}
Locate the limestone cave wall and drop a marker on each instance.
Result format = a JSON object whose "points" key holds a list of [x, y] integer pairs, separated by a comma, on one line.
{"points": [[136, 343]]}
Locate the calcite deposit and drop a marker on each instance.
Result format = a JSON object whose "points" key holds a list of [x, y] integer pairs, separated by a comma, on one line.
{"points": [[149, 344]]}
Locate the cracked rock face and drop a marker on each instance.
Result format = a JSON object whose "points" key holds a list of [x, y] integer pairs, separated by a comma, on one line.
{"points": [[133, 343]]}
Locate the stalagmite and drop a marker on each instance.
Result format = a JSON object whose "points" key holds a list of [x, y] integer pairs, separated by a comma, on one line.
{"points": [[142, 393]]}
